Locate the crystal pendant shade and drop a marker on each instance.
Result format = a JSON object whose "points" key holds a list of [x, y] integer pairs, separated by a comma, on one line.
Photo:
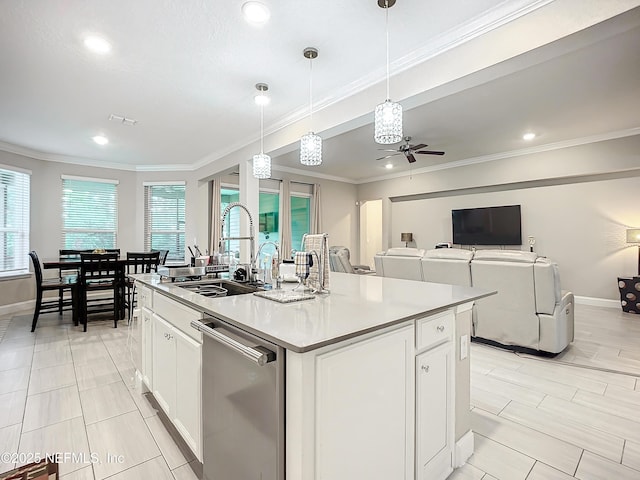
{"points": [[388, 123], [310, 149], [262, 166]]}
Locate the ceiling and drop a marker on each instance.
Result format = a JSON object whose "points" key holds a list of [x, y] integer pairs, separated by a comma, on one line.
{"points": [[186, 72]]}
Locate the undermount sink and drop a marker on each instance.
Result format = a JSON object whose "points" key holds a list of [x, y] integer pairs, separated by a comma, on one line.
{"points": [[219, 287]]}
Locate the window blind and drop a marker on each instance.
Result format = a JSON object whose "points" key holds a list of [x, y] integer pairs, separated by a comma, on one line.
{"points": [[14, 223], [164, 217], [89, 213]]}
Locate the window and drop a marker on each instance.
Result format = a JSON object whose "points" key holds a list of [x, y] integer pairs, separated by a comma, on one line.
{"points": [[268, 223], [232, 224], [14, 223], [89, 213], [164, 215], [268, 218], [300, 219]]}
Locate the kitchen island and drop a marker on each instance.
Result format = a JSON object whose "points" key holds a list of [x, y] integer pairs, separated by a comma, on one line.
{"points": [[376, 380]]}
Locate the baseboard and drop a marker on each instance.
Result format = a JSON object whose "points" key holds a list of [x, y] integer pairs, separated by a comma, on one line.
{"points": [[597, 302], [17, 307], [463, 450]]}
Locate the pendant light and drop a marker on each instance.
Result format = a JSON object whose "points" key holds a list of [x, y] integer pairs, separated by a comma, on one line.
{"points": [[310, 144], [388, 115], [262, 161]]}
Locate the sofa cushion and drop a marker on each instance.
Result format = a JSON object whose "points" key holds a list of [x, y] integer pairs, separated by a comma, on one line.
{"points": [[505, 255], [449, 254], [447, 265], [405, 252]]}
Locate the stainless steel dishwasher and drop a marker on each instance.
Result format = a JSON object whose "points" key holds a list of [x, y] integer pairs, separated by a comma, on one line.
{"points": [[242, 404]]}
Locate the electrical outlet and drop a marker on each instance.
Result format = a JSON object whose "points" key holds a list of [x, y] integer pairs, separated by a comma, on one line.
{"points": [[464, 347]]}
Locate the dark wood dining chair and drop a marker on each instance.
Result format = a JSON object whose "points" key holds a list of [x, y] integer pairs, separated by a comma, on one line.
{"points": [[72, 273], [101, 272], [163, 256], [65, 283], [139, 262]]}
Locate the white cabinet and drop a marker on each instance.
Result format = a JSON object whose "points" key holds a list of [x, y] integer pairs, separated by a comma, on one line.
{"points": [[350, 402], [177, 369], [434, 413], [146, 344], [164, 365], [188, 411]]}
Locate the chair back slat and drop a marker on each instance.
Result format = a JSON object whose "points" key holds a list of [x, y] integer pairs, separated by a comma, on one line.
{"points": [[143, 262], [98, 267]]}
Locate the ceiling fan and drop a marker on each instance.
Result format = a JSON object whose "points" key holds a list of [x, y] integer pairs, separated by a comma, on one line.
{"points": [[408, 150]]}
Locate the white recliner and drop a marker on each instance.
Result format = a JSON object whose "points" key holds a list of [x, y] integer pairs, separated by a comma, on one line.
{"points": [[447, 265], [400, 262], [340, 261], [529, 309]]}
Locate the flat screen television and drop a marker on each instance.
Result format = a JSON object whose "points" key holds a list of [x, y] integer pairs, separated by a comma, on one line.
{"points": [[487, 226]]}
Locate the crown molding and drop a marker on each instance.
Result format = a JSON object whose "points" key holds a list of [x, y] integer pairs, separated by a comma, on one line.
{"points": [[307, 173], [510, 154], [489, 20]]}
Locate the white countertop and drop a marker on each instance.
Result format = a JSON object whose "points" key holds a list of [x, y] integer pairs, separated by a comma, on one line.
{"points": [[356, 305]]}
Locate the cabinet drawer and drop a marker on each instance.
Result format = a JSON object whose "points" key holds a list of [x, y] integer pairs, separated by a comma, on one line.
{"points": [[433, 330], [145, 296], [178, 315]]}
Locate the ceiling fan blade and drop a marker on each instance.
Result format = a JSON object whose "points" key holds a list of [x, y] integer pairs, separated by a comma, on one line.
{"points": [[418, 147], [410, 157], [430, 152], [387, 156], [387, 150]]}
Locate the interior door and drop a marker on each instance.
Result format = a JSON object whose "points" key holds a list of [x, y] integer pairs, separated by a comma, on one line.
{"points": [[370, 231]]}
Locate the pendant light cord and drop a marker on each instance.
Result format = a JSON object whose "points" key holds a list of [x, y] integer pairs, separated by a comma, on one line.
{"points": [[261, 129], [310, 94], [386, 10]]}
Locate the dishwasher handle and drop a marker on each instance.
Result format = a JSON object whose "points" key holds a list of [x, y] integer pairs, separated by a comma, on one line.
{"points": [[259, 355]]}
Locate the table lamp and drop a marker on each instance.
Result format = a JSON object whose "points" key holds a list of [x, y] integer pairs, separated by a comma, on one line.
{"points": [[408, 237], [633, 236]]}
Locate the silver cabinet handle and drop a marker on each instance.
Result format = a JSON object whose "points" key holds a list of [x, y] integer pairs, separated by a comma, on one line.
{"points": [[261, 358], [440, 328], [425, 368]]}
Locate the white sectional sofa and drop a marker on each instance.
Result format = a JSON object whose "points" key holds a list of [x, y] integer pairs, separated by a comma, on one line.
{"points": [[530, 311]]}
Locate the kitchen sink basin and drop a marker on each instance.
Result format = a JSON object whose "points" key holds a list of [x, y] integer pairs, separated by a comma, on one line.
{"points": [[218, 287]]}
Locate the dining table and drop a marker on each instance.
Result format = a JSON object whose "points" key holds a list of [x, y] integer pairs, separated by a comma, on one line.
{"points": [[76, 264]]}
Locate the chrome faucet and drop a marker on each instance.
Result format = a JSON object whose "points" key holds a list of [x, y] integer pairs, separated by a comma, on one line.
{"points": [[252, 273], [277, 279]]}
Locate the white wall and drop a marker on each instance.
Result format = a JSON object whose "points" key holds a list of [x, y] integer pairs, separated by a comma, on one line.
{"points": [[572, 202]]}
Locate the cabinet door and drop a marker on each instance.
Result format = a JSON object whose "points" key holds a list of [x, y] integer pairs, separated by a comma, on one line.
{"points": [[434, 412], [146, 343], [164, 365], [188, 414], [365, 409]]}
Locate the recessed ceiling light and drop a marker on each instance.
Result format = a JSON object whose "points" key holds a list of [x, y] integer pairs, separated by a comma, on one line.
{"points": [[389, 166], [100, 139], [255, 12], [529, 136], [97, 44]]}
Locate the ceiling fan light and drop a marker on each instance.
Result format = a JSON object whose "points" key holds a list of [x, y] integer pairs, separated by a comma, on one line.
{"points": [[262, 166], [311, 149], [388, 123]]}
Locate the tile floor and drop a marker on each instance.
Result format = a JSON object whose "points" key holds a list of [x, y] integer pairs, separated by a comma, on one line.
{"points": [[574, 416], [66, 391]]}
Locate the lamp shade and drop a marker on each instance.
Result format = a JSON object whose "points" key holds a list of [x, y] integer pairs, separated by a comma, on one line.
{"points": [[311, 149], [633, 235], [262, 166], [406, 237]]}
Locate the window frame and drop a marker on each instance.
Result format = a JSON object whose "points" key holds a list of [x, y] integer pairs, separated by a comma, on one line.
{"points": [[65, 230], [20, 259], [148, 231]]}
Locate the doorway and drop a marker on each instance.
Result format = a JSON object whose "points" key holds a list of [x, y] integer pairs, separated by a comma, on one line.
{"points": [[370, 231]]}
